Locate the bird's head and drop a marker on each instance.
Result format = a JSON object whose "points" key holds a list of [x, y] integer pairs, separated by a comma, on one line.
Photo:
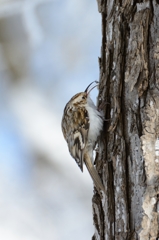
{"points": [[81, 98]]}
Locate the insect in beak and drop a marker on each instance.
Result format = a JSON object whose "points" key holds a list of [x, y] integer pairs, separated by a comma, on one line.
{"points": [[97, 83]]}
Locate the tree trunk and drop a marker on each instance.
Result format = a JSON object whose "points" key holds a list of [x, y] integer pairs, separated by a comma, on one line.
{"points": [[128, 156]]}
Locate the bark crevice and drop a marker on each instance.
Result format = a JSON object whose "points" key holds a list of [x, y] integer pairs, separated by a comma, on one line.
{"points": [[129, 81]]}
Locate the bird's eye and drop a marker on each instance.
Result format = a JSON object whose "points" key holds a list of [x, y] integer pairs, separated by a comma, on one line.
{"points": [[83, 97]]}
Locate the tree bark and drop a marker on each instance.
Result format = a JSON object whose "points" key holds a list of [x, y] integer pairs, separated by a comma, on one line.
{"points": [[128, 155]]}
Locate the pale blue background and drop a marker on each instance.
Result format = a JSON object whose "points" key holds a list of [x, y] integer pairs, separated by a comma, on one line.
{"points": [[48, 52]]}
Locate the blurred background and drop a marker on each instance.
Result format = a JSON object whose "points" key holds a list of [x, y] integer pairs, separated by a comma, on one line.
{"points": [[48, 52]]}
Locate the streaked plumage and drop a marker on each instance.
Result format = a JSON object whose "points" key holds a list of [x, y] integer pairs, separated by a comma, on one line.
{"points": [[81, 126]]}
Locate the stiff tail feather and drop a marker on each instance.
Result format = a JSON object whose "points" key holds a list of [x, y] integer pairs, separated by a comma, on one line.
{"points": [[93, 173]]}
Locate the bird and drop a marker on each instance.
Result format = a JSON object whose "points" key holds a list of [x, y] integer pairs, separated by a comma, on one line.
{"points": [[81, 125]]}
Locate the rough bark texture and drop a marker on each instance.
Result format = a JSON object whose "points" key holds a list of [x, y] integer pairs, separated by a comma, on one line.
{"points": [[128, 158]]}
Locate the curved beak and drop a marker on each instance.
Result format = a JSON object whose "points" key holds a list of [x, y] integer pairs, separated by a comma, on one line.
{"points": [[86, 91]]}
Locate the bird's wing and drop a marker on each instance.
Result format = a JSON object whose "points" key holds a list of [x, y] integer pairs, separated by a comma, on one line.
{"points": [[76, 135]]}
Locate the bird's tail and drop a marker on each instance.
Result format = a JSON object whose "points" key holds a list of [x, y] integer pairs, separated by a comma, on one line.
{"points": [[93, 173]]}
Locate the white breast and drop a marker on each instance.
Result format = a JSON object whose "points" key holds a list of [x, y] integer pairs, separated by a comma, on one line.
{"points": [[96, 121]]}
